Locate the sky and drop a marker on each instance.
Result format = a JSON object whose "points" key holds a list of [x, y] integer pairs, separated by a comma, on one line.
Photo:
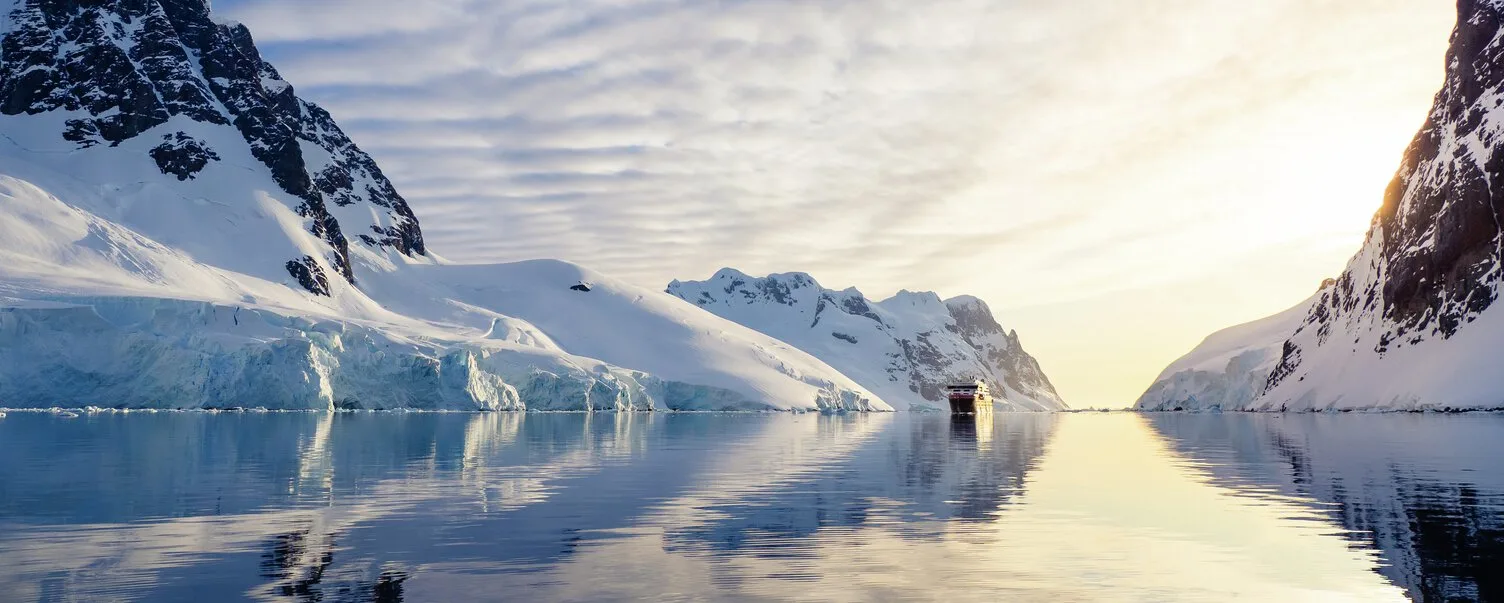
{"points": [[1117, 179]]}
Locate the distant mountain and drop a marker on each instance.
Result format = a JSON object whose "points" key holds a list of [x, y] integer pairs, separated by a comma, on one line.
{"points": [[1412, 322], [905, 348], [179, 229]]}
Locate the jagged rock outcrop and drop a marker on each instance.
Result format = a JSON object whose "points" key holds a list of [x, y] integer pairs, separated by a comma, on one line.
{"points": [[128, 66], [905, 349], [309, 275], [182, 155], [1412, 323]]}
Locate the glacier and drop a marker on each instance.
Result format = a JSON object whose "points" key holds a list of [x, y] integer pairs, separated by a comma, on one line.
{"points": [[95, 314], [160, 353]]}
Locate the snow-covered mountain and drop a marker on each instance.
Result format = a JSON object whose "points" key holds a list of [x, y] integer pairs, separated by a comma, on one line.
{"points": [[179, 229], [905, 348], [1411, 323], [1229, 368]]}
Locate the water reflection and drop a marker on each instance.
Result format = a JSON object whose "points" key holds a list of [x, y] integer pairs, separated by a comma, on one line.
{"points": [[1427, 491], [386, 507], [296, 566]]}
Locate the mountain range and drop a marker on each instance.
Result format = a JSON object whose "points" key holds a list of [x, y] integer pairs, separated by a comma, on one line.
{"points": [[905, 348], [179, 229]]}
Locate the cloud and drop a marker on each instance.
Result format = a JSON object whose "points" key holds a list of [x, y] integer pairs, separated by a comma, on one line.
{"points": [[1027, 151], [322, 20]]}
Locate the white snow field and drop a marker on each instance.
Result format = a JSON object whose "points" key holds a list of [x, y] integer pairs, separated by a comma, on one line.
{"points": [[121, 286]]}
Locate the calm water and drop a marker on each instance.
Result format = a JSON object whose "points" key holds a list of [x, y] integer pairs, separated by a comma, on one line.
{"points": [[451, 507]]}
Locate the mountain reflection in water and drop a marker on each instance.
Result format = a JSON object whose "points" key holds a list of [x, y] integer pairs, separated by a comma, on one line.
{"points": [[422, 507], [1426, 491]]}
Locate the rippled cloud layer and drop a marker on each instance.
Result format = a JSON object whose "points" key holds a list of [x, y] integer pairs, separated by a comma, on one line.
{"points": [[1030, 152]]}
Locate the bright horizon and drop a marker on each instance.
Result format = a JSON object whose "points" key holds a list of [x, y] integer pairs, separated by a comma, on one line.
{"points": [[1117, 183]]}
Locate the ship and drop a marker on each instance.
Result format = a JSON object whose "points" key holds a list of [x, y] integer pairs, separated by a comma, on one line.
{"points": [[969, 398]]}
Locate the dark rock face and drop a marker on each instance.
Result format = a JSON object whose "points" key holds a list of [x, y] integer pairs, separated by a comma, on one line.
{"points": [[857, 306], [310, 275], [1441, 218], [84, 132], [134, 64], [782, 292], [354, 178], [70, 55], [1432, 261], [182, 155]]}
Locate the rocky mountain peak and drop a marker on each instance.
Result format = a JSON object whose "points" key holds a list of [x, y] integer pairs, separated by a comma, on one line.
{"points": [[780, 288], [121, 68], [905, 348], [1432, 260], [974, 320], [1410, 323], [972, 315]]}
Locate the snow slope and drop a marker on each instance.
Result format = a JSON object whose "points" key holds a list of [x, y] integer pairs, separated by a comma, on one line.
{"points": [[94, 313], [1228, 368], [1412, 323], [179, 230], [905, 348]]}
